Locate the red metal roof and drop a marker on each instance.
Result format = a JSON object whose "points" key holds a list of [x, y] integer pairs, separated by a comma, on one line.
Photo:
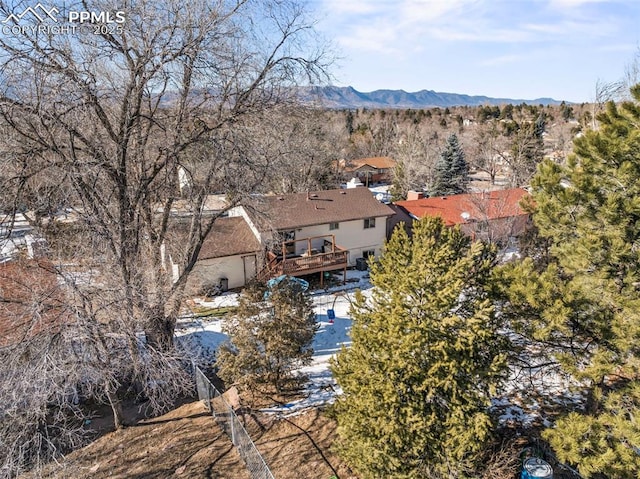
{"points": [[459, 209]]}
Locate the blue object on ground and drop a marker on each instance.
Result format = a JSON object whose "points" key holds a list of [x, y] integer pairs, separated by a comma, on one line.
{"points": [[304, 285], [536, 468]]}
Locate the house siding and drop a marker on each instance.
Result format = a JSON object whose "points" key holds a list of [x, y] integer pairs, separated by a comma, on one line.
{"points": [[350, 235], [208, 272]]}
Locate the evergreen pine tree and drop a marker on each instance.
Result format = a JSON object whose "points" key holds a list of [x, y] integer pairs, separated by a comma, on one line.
{"points": [[527, 150], [441, 184], [539, 126], [581, 299], [349, 122], [269, 339], [451, 173], [424, 357], [459, 167]]}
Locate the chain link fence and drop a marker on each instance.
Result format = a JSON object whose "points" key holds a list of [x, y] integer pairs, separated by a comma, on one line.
{"points": [[229, 422]]}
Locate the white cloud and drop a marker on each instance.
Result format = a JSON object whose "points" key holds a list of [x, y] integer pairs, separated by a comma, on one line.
{"points": [[574, 28], [377, 38], [480, 33], [388, 26], [619, 47], [406, 25]]}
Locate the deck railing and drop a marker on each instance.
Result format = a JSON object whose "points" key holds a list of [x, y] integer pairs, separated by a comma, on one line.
{"points": [[314, 263], [298, 265]]}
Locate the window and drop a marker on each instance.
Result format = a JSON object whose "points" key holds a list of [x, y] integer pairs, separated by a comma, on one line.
{"points": [[289, 235], [369, 223], [334, 226], [368, 254]]}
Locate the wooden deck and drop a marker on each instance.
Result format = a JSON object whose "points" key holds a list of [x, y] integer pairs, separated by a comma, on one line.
{"points": [[300, 265]]}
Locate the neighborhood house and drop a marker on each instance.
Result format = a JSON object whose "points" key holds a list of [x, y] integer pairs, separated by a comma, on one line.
{"points": [[228, 258], [368, 170], [296, 234], [494, 216]]}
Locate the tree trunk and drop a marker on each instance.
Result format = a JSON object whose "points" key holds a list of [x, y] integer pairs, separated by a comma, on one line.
{"points": [[116, 407], [159, 332]]}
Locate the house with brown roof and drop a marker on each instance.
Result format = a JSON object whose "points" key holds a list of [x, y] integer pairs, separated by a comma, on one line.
{"points": [[294, 234], [229, 256], [377, 169], [495, 216], [318, 231]]}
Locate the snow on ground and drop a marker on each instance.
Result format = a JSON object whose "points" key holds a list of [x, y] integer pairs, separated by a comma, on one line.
{"points": [[521, 400], [329, 340], [204, 335], [518, 403], [510, 253], [223, 300]]}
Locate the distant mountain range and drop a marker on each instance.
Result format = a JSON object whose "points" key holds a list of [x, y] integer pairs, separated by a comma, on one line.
{"points": [[348, 97]]}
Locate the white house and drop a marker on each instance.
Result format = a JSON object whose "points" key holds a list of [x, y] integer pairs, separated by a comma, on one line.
{"points": [[317, 231], [296, 234], [228, 257]]}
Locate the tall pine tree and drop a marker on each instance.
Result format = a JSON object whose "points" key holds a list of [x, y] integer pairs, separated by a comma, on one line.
{"points": [[269, 339], [451, 173], [424, 358], [582, 299]]}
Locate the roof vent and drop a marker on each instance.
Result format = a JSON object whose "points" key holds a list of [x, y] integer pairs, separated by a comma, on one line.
{"points": [[281, 198], [343, 192], [314, 196]]}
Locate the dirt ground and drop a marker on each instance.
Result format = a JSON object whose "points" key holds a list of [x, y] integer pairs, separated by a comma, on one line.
{"points": [[299, 447], [187, 443]]}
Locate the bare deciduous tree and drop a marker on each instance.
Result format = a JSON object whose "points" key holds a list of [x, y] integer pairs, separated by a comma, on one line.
{"points": [[302, 148], [99, 122], [488, 150], [114, 116], [416, 153]]}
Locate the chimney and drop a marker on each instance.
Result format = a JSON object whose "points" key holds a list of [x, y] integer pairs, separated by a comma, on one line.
{"points": [[414, 195]]}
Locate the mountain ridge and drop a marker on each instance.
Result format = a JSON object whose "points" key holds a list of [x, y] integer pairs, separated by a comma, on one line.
{"points": [[335, 97]]}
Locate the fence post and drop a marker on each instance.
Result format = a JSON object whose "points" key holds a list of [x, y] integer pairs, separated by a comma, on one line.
{"points": [[254, 462], [233, 427]]}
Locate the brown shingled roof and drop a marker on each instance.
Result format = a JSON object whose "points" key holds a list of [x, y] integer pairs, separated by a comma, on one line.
{"points": [[229, 236], [283, 212], [377, 162]]}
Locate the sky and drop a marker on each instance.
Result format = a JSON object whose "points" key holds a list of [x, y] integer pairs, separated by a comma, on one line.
{"points": [[517, 49]]}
